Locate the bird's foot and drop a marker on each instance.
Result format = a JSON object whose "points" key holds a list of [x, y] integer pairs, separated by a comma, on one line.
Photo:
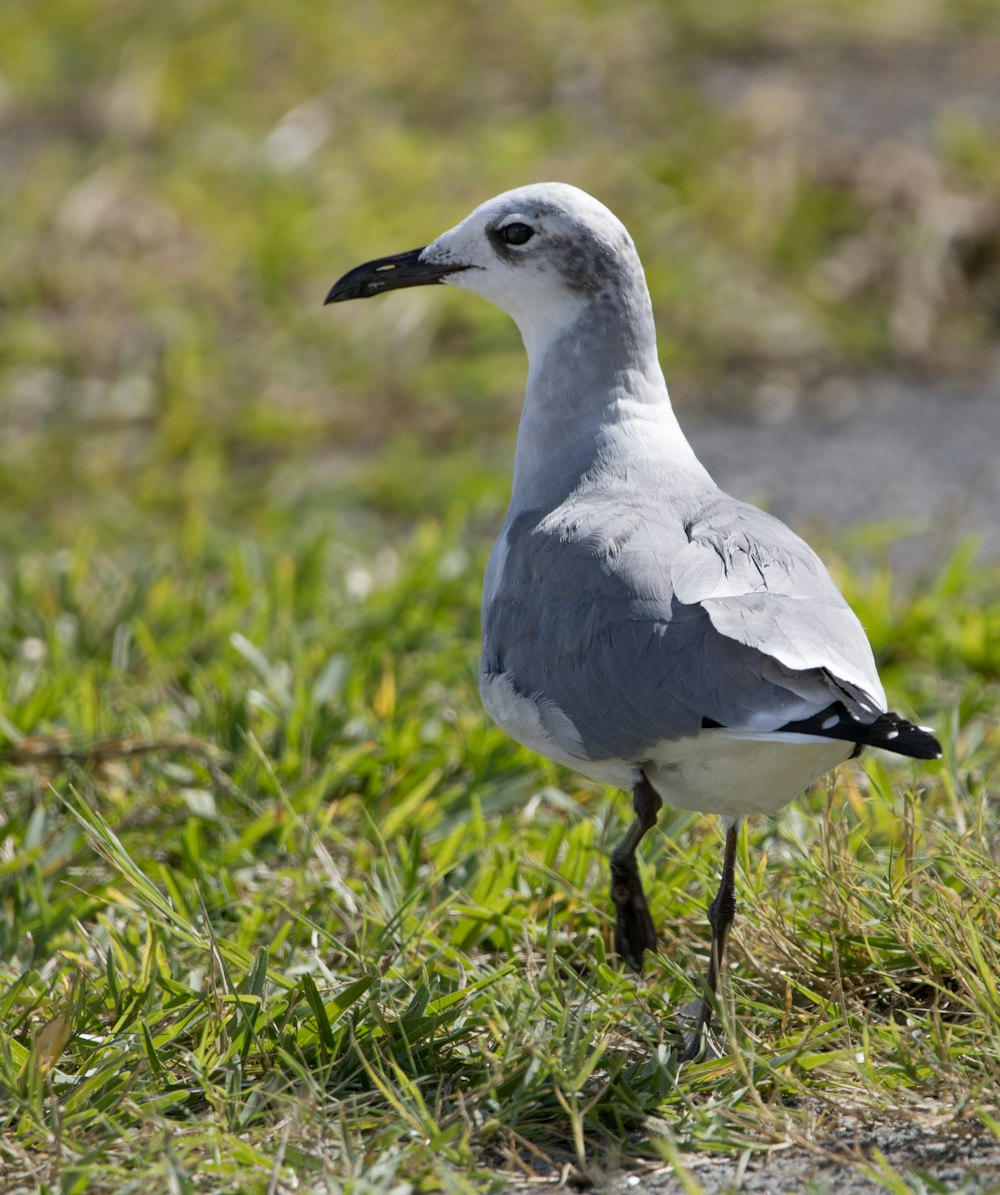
{"points": [[699, 1043], [634, 929]]}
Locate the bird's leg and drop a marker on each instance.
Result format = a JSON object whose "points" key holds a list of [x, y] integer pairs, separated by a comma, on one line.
{"points": [[721, 912], [634, 931]]}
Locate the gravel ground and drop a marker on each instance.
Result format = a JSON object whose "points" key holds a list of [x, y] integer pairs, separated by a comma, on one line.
{"points": [[963, 1159], [856, 1156]]}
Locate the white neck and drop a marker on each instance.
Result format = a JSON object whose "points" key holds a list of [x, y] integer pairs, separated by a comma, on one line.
{"points": [[596, 401]]}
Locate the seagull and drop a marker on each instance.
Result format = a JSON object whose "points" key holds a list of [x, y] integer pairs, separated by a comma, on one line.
{"points": [[640, 625]]}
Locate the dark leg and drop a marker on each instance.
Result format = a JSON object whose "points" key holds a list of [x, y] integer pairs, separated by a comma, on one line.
{"points": [[634, 931], [721, 912]]}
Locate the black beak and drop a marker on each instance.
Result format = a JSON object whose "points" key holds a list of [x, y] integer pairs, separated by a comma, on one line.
{"points": [[388, 273]]}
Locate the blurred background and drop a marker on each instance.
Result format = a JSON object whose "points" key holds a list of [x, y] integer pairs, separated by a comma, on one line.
{"points": [[813, 185]]}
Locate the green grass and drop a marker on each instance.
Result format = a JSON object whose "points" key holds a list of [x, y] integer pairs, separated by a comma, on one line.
{"points": [[277, 901], [278, 906]]}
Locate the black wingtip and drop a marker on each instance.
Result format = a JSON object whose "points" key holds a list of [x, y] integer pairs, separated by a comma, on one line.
{"points": [[889, 732], [893, 733]]}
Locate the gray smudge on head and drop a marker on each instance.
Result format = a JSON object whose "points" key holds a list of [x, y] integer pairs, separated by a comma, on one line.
{"points": [[589, 265]]}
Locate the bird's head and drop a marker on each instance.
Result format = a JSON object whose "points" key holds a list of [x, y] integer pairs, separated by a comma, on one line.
{"points": [[541, 253]]}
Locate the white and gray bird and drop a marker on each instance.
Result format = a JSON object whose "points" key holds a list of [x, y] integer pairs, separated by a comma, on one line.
{"points": [[640, 625]]}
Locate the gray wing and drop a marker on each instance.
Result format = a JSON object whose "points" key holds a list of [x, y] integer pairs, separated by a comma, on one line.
{"points": [[764, 587], [639, 627]]}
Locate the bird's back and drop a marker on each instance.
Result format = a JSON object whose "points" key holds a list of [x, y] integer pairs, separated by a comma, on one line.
{"points": [[641, 621]]}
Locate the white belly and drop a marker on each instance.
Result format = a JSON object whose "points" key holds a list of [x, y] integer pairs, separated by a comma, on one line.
{"points": [[729, 772], [736, 773]]}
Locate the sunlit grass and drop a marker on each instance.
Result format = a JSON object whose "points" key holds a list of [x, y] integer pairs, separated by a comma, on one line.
{"points": [[270, 878]]}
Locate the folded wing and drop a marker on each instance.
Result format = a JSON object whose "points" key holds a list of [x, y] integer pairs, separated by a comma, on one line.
{"points": [[639, 629]]}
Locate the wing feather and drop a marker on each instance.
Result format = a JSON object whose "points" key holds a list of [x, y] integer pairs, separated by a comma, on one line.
{"points": [[638, 627], [764, 587]]}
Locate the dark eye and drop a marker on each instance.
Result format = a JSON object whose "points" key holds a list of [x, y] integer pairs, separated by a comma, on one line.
{"points": [[516, 234]]}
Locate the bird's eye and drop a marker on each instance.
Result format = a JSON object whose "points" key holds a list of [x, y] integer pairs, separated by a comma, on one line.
{"points": [[516, 234]]}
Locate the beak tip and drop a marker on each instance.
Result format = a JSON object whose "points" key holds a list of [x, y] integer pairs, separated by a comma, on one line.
{"points": [[343, 289]]}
